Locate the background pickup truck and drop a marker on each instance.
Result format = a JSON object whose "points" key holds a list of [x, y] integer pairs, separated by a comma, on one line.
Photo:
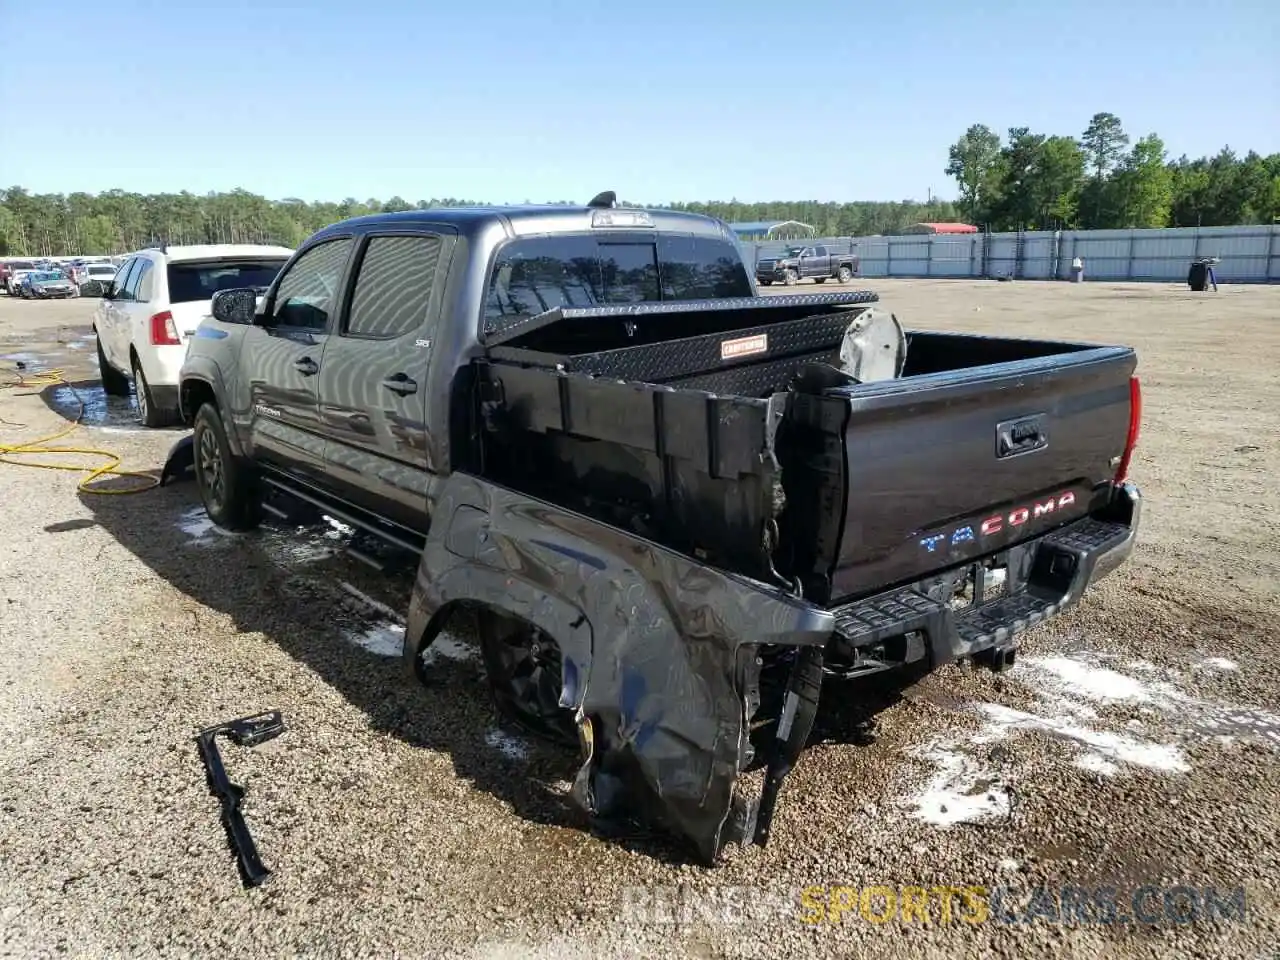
{"points": [[683, 514], [806, 263]]}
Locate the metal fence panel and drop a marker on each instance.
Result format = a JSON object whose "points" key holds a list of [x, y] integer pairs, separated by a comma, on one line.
{"points": [[1249, 254]]}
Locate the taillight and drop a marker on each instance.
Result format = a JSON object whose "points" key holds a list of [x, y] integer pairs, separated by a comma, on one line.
{"points": [[1135, 422], [163, 330]]}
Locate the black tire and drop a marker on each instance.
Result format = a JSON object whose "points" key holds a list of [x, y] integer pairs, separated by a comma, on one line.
{"points": [[766, 283], [149, 412], [525, 676], [844, 274], [819, 279], [114, 383], [228, 485], [790, 277]]}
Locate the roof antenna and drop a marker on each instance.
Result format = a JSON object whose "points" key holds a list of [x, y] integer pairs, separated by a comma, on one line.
{"points": [[606, 199]]}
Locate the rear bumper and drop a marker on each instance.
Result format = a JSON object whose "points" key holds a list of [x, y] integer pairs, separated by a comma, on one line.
{"points": [[1045, 576], [163, 366]]}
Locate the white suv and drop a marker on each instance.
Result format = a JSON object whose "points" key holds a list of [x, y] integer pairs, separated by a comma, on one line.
{"points": [[154, 304]]}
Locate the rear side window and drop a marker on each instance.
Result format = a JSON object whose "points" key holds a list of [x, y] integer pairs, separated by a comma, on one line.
{"points": [[393, 287], [531, 276], [190, 282]]}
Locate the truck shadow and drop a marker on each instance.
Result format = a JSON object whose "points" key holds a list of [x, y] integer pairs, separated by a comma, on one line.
{"points": [[288, 586]]}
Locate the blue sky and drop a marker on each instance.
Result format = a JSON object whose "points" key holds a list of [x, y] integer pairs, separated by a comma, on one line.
{"points": [[512, 100]]}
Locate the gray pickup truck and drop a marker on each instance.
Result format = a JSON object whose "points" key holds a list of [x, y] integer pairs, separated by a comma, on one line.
{"points": [[682, 513], [817, 263]]}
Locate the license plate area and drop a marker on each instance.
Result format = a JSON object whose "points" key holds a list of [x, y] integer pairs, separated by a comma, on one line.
{"points": [[984, 581]]}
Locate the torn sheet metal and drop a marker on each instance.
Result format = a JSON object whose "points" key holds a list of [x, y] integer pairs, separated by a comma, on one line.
{"points": [[660, 653]]}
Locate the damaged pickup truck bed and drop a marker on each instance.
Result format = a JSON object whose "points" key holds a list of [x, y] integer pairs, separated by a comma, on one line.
{"points": [[683, 513]]}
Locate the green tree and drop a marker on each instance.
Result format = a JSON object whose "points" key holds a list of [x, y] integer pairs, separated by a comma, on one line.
{"points": [[1104, 142], [975, 163], [1144, 185], [1058, 179]]}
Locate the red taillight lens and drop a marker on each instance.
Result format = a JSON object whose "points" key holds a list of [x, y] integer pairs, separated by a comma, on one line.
{"points": [[1135, 423], [163, 330]]}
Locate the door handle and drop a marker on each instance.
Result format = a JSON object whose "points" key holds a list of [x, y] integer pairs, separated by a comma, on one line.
{"points": [[306, 366], [401, 384]]}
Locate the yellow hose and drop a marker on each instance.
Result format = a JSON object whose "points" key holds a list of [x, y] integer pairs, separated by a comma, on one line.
{"points": [[41, 446]]}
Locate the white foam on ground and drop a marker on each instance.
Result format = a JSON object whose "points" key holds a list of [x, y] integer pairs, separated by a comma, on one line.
{"points": [[381, 639], [1060, 679], [1220, 663], [195, 523], [1113, 746], [1095, 683], [337, 528], [446, 647], [956, 793], [513, 748], [964, 788]]}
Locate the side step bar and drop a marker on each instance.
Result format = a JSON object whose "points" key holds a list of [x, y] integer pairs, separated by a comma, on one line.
{"points": [[395, 535]]}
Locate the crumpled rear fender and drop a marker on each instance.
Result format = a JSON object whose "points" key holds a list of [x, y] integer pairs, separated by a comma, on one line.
{"points": [[656, 646]]}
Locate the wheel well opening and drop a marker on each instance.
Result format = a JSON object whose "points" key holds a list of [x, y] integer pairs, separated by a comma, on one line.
{"points": [[193, 394], [456, 615]]}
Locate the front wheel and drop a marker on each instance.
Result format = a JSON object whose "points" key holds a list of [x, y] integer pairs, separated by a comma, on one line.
{"points": [[114, 383], [790, 278], [228, 485], [844, 275]]}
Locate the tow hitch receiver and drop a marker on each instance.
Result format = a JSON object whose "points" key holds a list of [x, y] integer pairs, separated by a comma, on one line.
{"points": [[247, 732]]}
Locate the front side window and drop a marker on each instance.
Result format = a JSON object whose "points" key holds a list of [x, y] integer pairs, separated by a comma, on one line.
{"points": [[141, 281], [124, 280], [393, 287], [307, 292]]}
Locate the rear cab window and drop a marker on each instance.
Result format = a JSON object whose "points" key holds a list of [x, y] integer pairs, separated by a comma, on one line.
{"points": [[535, 274], [191, 281]]}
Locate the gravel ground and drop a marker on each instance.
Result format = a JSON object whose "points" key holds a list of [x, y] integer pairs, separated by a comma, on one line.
{"points": [[1134, 743]]}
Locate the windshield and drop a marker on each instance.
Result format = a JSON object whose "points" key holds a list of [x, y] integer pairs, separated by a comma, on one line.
{"points": [[21, 265], [101, 270], [191, 282], [534, 275], [44, 275]]}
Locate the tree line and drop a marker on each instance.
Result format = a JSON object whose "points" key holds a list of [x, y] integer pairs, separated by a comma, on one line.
{"points": [[1102, 180], [54, 224], [1028, 181]]}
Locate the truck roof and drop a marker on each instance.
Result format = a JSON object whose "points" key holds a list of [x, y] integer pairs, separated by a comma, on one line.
{"points": [[523, 220]]}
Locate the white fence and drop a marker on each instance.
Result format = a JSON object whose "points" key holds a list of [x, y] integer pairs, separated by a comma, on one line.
{"points": [[1249, 254]]}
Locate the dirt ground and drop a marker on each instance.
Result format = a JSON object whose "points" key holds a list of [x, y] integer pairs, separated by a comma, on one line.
{"points": [[1134, 746]]}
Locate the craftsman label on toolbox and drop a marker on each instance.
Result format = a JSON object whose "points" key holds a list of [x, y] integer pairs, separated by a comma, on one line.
{"points": [[744, 346]]}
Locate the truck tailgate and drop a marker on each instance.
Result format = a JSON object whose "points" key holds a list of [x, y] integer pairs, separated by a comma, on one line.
{"points": [[942, 468]]}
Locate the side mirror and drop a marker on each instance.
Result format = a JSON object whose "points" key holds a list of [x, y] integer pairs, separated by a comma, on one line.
{"points": [[237, 305]]}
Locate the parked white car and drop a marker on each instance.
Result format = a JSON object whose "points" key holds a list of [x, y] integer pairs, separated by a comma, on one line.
{"points": [[153, 306]]}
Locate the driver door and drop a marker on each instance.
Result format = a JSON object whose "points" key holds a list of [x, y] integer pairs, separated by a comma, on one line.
{"points": [[282, 355]]}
